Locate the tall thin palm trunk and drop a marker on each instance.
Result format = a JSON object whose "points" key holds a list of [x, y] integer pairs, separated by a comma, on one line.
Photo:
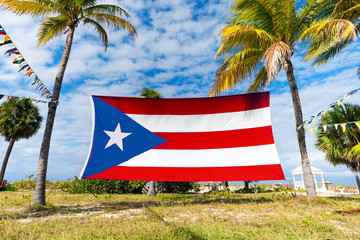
{"points": [[151, 191], [6, 159], [308, 177], [39, 193], [357, 180]]}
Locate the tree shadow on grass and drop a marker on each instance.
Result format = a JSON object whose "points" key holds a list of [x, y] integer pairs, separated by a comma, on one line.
{"points": [[177, 230], [37, 211]]}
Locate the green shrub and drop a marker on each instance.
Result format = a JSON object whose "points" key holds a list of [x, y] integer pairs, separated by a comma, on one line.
{"points": [[259, 189], [99, 186], [177, 187], [30, 184], [8, 187], [284, 189]]}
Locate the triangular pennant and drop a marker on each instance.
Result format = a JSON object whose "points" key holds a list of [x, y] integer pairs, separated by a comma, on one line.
{"points": [[357, 124], [325, 127], [336, 126], [23, 67], [6, 39], [10, 50], [343, 126], [1, 96], [18, 61], [311, 130], [28, 73], [16, 58]]}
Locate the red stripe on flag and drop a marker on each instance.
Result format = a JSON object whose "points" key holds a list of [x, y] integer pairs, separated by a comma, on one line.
{"points": [[213, 140], [189, 106], [245, 173]]}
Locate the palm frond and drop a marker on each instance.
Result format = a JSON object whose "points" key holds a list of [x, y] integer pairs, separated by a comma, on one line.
{"points": [[323, 55], [50, 28], [273, 58], [260, 82], [99, 29], [350, 10], [150, 93], [234, 69], [86, 3], [305, 16], [112, 21], [329, 31], [235, 37], [259, 12], [106, 9], [32, 8]]}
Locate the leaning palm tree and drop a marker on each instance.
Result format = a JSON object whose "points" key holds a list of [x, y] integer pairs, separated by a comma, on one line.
{"points": [[63, 17], [341, 145], [19, 118], [258, 41], [150, 93]]}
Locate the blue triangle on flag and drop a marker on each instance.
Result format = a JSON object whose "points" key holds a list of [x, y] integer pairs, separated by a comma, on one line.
{"points": [[107, 118]]}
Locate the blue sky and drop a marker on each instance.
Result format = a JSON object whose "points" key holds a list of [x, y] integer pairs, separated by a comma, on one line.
{"points": [[173, 53]]}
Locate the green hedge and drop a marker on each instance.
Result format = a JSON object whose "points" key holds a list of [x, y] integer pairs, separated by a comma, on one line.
{"points": [[98, 186], [177, 187]]}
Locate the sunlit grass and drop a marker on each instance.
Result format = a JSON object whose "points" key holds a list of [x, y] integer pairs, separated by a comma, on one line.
{"points": [[176, 216]]}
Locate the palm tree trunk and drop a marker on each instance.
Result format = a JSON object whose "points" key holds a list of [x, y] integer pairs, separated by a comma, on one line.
{"points": [[246, 186], [357, 180], [6, 159], [308, 177], [39, 193], [151, 191]]}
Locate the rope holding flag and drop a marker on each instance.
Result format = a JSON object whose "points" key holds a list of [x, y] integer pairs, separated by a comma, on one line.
{"points": [[10, 97], [23, 65], [323, 112]]}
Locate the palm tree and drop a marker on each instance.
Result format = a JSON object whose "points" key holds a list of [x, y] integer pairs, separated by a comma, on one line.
{"points": [[339, 146], [60, 17], [259, 40], [19, 118], [336, 27], [150, 93]]}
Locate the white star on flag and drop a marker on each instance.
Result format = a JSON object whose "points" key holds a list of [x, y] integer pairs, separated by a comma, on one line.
{"points": [[116, 137]]}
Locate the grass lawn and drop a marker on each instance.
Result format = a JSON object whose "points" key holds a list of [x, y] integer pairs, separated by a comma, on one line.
{"points": [[175, 216]]}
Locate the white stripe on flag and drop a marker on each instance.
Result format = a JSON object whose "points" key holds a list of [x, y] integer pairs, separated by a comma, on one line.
{"points": [[227, 157], [205, 122]]}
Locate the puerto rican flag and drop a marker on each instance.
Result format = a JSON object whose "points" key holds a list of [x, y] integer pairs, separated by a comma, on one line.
{"points": [[226, 138]]}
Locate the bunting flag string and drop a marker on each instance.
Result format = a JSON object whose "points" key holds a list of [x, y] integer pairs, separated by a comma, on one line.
{"points": [[10, 97], [23, 65], [323, 112], [337, 126]]}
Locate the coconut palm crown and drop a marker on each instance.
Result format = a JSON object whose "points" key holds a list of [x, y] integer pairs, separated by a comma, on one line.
{"points": [[150, 93], [19, 118]]}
